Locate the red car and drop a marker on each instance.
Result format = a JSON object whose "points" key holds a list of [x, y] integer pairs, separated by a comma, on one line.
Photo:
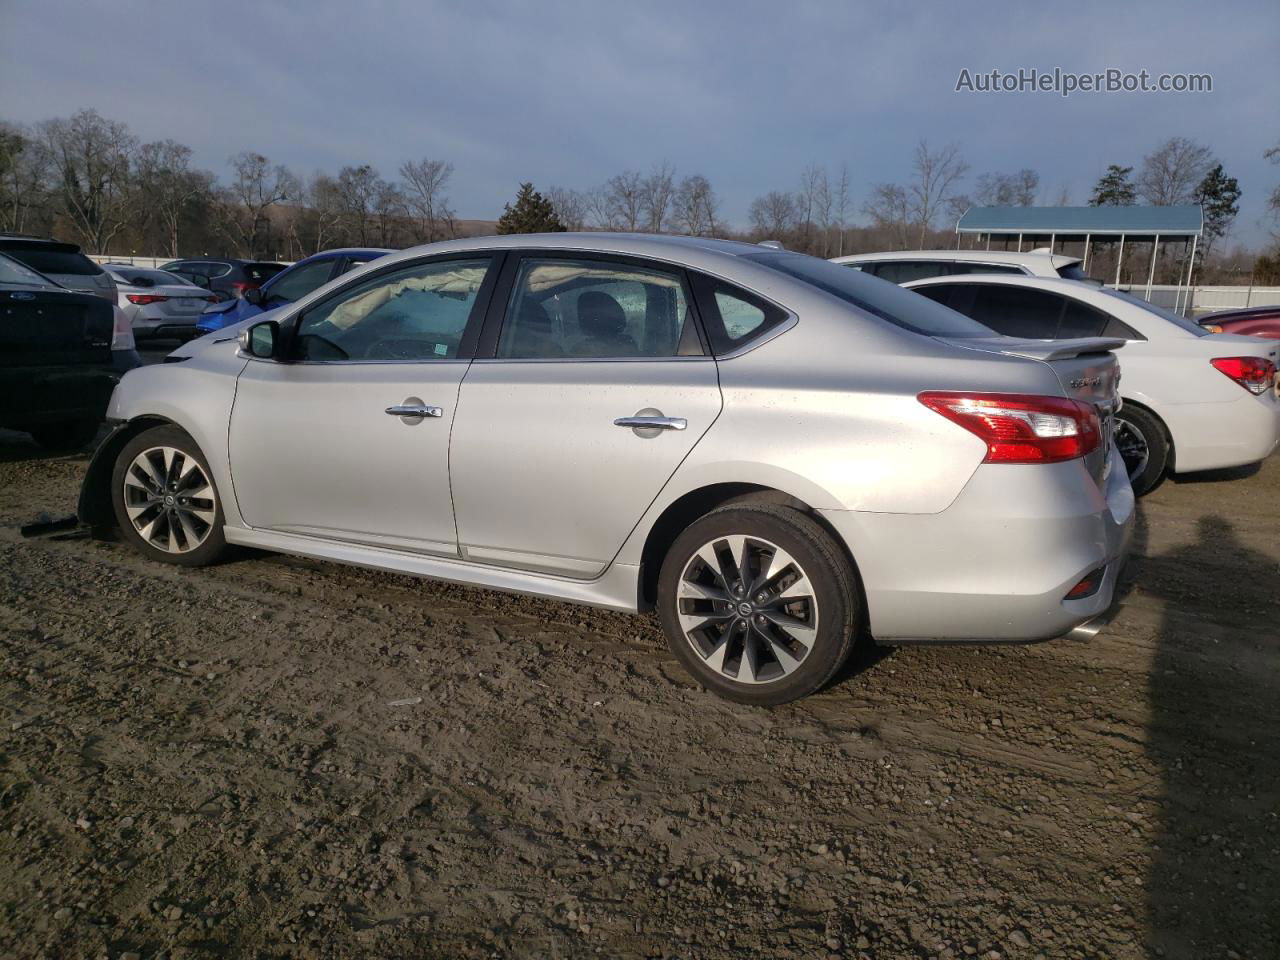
{"points": [[1256, 321]]}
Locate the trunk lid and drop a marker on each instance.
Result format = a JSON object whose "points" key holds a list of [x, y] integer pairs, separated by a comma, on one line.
{"points": [[43, 328], [1087, 370]]}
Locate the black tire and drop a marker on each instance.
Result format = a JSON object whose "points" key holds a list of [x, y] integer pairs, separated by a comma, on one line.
{"points": [[1136, 428], [65, 434], [835, 598], [213, 545]]}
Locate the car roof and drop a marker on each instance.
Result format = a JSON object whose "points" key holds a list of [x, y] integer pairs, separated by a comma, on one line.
{"points": [[685, 250], [348, 252], [1027, 257]]}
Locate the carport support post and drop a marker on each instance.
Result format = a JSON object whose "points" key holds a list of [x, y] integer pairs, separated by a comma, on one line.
{"points": [[1053, 239], [1086, 252], [1119, 259], [1019, 243], [1191, 263], [1151, 276]]}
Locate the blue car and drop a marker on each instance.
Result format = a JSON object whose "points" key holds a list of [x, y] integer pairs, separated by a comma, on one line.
{"points": [[287, 286]]}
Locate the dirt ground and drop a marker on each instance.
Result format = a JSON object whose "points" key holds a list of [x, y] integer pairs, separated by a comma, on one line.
{"points": [[285, 758]]}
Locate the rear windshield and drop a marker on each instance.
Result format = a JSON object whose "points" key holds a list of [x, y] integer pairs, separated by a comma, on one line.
{"points": [[54, 259], [1181, 322], [141, 275], [886, 300], [1072, 271], [261, 272], [14, 274]]}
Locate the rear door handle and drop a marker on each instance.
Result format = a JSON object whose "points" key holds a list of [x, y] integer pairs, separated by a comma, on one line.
{"points": [[653, 423]]}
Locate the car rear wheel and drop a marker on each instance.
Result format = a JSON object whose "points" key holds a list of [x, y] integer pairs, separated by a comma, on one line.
{"points": [[165, 500], [65, 435], [1143, 445], [758, 603]]}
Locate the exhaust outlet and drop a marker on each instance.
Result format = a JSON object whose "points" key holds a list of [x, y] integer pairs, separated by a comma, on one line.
{"points": [[1090, 628]]}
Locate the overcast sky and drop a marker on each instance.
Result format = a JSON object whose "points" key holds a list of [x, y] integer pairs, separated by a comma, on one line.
{"points": [[569, 93]]}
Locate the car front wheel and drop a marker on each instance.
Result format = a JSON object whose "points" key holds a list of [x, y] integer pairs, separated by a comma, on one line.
{"points": [[165, 500], [759, 604]]}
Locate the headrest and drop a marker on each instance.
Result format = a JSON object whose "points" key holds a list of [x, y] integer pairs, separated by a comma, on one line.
{"points": [[600, 315]]}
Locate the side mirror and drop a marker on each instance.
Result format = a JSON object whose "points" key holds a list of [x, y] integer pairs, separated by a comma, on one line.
{"points": [[254, 296], [261, 340]]}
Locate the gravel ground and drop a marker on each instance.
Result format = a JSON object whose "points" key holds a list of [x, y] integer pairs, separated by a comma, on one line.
{"points": [[285, 758]]}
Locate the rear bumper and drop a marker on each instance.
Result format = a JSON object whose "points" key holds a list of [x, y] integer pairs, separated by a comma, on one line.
{"points": [[996, 565], [1213, 436], [36, 395]]}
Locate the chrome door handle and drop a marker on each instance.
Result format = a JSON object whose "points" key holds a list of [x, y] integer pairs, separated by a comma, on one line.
{"points": [[415, 410], [653, 423]]}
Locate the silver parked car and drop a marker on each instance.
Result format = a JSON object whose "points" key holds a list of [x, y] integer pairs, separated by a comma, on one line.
{"points": [[159, 305], [776, 452]]}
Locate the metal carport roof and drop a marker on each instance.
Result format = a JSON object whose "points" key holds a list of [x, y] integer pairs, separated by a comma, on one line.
{"points": [[1176, 221]]}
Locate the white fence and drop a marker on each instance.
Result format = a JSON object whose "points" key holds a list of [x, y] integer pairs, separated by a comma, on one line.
{"points": [[132, 261], [1206, 299]]}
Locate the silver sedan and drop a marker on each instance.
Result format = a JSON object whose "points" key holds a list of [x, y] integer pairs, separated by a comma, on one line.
{"points": [[159, 305], [778, 454]]}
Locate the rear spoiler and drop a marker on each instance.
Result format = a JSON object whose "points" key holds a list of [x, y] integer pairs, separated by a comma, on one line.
{"points": [[1039, 349]]}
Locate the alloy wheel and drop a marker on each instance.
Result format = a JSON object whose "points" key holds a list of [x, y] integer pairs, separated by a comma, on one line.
{"points": [[1133, 447], [747, 608], [169, 500]]}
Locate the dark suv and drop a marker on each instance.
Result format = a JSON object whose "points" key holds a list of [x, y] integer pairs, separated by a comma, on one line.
{"points": [[64, 263], [224, 276]]}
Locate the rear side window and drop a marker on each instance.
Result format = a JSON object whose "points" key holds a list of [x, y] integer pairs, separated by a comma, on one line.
{"points": [[904, 271], [1018, 311], [888, 301], [733, 316], [53, 260], [261, 272], [1081, 320], [567, 308]]}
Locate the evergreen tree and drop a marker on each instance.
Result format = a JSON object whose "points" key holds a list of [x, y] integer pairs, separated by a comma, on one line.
{"points": [[531, 213], [1114, 188], [1217, 195]]}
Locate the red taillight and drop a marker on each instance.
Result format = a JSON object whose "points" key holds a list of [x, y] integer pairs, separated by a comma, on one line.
{"points": [[240, 289], [1255, 374], [1019, 428], [142, 299]]}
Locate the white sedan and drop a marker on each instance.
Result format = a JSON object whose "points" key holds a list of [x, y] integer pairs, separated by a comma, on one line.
{"points": [[1192, 400], [159, 305]]}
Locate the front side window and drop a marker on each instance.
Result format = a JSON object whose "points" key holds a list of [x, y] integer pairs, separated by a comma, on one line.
{"points": [[566, 309], [416, 313], [299, 282]]}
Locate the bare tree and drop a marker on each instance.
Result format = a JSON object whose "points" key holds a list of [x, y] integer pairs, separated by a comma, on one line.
{"points": [[624, 201], [889, 208], [24, 180], [425, 182], [244, 207], [358, 190], [92, 160], [694, 207], [570, 206], [1273, 198], [1007, 189], [1171, 173], [936, 176], [774, 215], [842, 207], [655, 192], [170, 186]]}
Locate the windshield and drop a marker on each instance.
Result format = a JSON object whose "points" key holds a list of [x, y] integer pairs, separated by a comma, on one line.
{"points": [[1181, 322], [14, 274], [886, 300]]}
